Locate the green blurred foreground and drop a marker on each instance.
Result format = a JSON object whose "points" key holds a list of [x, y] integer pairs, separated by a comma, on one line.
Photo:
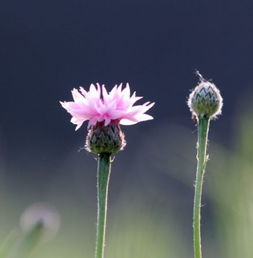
{"points": [[150, 210]]}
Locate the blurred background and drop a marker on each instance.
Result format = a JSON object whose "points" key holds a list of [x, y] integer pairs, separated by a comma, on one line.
{"points": [[49, 47]]}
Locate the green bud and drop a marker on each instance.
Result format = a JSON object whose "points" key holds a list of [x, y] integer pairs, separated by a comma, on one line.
{"points": [[205, 100], [105, 139]]}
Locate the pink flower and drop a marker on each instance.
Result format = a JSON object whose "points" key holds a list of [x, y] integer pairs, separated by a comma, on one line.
{"points": [[97, 105]]}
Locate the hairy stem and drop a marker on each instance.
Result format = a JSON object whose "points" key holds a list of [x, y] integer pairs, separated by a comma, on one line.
{"points": [[203, 128], [103, 176]]}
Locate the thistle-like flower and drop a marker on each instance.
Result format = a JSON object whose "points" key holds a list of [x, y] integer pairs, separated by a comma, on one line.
{"points": [[105, 112], [205, 99]]}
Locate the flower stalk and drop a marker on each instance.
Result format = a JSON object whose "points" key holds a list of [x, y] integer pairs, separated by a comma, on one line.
{"points": [[103, 177], [202, 158], [205, 103]]}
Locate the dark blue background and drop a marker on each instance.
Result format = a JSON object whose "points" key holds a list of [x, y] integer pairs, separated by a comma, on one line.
{"points": [[49, 47]]}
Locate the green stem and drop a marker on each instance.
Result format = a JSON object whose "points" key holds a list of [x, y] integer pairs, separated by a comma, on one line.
{"points": [[103, 176], [203, 128]]}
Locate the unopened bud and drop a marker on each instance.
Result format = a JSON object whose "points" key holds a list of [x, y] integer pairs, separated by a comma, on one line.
{"points": [[205, 100], [105, 139]]}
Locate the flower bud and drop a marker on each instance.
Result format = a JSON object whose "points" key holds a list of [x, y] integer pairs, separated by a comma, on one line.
{"points": [[205, 100], [105, 139]]}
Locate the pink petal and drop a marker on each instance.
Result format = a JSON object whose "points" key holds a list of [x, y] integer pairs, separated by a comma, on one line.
{"points": [[126, 92], [143, 117], [127, 122], [107, 121], [83, 91]]}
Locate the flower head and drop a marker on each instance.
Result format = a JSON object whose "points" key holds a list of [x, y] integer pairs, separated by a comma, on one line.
{"points": [[97, 105], [205, 99]]}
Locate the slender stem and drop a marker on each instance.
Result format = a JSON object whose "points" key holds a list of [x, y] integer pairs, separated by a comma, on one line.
{"points": [[103, 176], [203, 128]]}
